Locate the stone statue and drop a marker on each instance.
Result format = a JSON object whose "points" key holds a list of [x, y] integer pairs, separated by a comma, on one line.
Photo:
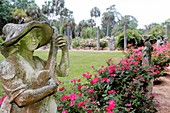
{"points": [[160, 41], [147, 50], [146, 58], [30, 82], [112, 43]]}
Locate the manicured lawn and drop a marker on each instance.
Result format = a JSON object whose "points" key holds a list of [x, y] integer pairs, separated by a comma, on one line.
{"points": [[80, 62]]}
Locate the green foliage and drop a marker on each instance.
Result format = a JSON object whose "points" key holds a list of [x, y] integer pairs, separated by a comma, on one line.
{"points": [[133, 37], [154, 32], [19, 13], [103, 43], [1, 40], [76, 42], [6, 10], [89, 32]]}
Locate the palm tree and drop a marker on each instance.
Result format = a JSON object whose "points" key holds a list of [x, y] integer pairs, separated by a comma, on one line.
{"points": [[61, 10], [95, 12], [110, 17], [33, 12], [69, 24], [127, 20], [91, 22], [80, 27]]}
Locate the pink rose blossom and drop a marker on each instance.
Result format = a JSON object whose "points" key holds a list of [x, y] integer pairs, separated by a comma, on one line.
{"points": [[72, 103], [111, 92], [94, 81], [90, 91], [80, 104], [64, 111], [72, 96]]}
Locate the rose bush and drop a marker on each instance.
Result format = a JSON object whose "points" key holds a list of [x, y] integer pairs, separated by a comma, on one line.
{"points": [[118, 88]]}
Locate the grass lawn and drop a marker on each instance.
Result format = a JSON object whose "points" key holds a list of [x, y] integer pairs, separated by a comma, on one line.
{"points": [[80, 62]]}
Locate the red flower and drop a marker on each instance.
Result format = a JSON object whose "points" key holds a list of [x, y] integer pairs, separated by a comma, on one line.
{"points": [[61, 89], [138, 58], [65, 97], [80, 104], [79, 80], [154, 95], [64, 111], [79, 87], [90, 91], [89, 111], [111, 105], [105, 79], [128, 105], [111, 92], [72, 96], [80, 94], [73, 80], [94, 81], [112, 75], [100, 71], [87, 75], [72, 103]]}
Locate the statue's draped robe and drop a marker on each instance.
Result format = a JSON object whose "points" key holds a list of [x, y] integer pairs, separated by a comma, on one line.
{"points": [[17, 76]]}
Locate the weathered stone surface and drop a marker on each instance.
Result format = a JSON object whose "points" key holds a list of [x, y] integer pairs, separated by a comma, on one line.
{"points": [[30, 82]]}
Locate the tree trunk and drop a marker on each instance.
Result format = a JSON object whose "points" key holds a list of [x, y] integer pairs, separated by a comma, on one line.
{"points": [[61, 23], [68, 35], [98, 38], [107, 34], [125, 37], [166, 32]]}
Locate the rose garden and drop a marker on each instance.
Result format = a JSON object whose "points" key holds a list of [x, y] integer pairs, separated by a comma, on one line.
{"points": [[50, 64]]}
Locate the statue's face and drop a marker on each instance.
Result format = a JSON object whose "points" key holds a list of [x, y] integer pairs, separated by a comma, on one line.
{"points": [[31, 40]]}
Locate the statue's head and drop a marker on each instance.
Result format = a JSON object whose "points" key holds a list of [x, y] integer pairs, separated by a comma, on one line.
{"points": [[41, 32]]}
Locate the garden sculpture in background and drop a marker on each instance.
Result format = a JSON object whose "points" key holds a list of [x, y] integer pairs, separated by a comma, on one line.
{"points": [[112, 43], [147, 51], [146, 60], [30, 83], [160, 41]]}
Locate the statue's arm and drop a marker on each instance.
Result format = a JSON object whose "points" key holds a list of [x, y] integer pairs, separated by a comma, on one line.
{"points": [[63, 68], [31, 96]]}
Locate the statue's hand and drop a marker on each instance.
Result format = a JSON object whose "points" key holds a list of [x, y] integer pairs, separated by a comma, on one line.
{"points": [[61, 42], [53, 84]]}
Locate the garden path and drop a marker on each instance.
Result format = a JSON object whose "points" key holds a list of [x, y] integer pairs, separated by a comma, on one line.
{"points": [[162, 90]]}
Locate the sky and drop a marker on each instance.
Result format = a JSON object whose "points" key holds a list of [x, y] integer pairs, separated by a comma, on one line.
{"points": [[145, 11]]}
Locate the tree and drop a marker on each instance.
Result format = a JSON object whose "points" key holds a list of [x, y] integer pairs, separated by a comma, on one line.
{"points": [[69, 24], [166, 24], [110, 18], [127, 21], [95, 12], [80, 27], [25, 10], [91, 23], [6, 9], [33, 12], [155, 31], [19, 15], [134, 38]]}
